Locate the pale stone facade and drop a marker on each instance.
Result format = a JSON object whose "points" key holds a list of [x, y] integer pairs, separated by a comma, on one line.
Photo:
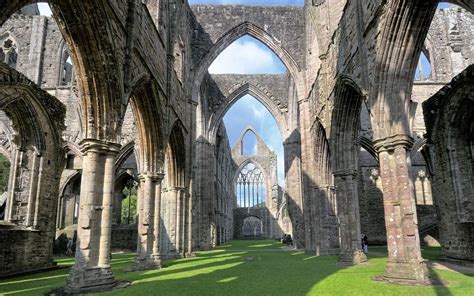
{"points": [[140, 105]]}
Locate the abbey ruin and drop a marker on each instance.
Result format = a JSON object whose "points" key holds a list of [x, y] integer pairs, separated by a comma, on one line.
{"points": [[108, 98]]}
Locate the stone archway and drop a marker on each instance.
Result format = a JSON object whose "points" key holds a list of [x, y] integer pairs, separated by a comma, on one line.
{"points": [[235, 33], [38, 120], [344, 143]]}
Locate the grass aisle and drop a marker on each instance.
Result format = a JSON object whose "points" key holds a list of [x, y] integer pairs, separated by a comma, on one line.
{"points": [[250, 268]]}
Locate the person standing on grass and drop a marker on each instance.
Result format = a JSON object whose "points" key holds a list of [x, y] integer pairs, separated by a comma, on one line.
{"points": [[365, 245], [69, 245]]}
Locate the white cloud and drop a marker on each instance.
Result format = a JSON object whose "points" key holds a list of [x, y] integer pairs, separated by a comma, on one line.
{"points": [[245, 57]]}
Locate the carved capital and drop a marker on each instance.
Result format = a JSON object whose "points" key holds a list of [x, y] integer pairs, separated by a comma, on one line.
{"points": [[99, 146], [157, 177], [345, 173], [393, 142]]}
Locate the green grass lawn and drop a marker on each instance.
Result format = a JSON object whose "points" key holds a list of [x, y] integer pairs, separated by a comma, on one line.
{"points": [[250, 268]]}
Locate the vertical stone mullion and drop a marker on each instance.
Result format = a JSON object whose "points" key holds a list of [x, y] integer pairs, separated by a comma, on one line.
{"points": [[12, 184]]}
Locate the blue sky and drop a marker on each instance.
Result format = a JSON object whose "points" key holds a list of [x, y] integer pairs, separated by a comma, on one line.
{"points": [[247, 55], [248, 111]]}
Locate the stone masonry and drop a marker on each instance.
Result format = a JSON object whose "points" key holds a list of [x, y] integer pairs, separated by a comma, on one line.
{"points": [[118, 92]]}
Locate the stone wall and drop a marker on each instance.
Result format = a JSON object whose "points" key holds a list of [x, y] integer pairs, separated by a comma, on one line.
{"points": [[449, 120]]}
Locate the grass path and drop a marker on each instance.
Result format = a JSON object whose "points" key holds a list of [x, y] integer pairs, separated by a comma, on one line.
{"points": [[250, 268]]}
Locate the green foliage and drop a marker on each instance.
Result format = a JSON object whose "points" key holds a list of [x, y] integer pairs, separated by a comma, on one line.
{"points": [[4, 173], [260, 267], [132, 199]]}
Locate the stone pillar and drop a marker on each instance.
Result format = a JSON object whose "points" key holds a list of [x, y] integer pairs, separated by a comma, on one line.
{"points": [[405, 263], [349, 220], [158, 178], [178, 220], [145, 258], [189, 223], [92, 271], [169, 215], [293, 188]]}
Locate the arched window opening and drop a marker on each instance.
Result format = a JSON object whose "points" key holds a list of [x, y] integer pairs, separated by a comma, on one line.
{"points": [[129, 202], [247, 55], [68, 207], [250, 187], [249, 144], [252, 227], [8, 50], [423, 70], [4, 174], [179, 59], [66, 77], [248, 111], [70, 158]]}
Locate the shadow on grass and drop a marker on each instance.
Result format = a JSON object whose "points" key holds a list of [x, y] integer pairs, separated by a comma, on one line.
{"points": [[226, 271]]}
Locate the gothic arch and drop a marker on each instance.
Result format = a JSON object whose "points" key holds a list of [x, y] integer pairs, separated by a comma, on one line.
{"points": [[245, 28], [259, 95], [38, 120], [345, 125], [97, 61], [124, 153], [368, 145], [146, 107], [176, 157], [72, 147], [404, 29], [266, 176], [69, 180]]}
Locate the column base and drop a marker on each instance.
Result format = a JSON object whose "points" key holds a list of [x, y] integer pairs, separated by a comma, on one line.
{"points": [[190, 255], [351, 258], [171, 256], [93, 279], [147, 263], [409, 273]]}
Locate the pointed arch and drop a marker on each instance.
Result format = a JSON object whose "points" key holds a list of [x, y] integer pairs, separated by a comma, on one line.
{"points": [[260, 95], [404, 29], [123, 155], [248, 138], [145, 101], [176, 156], [368, 145], [345, 125], [245, 28]]}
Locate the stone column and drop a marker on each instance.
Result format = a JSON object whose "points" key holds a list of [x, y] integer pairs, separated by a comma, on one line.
{"points": [[293, 188], [178, 222], [169, 213], [189, 223], [349, 220], [405, 263], [92, 271], [146, 221], [158, 178]]}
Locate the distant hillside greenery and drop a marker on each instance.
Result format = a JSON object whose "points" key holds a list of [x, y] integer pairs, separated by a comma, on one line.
{"points": [[4, 173]]}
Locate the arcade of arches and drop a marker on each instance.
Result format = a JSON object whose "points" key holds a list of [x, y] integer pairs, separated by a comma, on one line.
{"points": [[111, 132]]}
